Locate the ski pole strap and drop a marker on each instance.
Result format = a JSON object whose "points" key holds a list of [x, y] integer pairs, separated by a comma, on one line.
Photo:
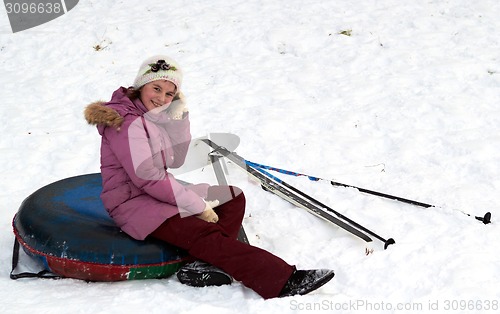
{"points": [[288, 172], [261, 170], [15, 260]]}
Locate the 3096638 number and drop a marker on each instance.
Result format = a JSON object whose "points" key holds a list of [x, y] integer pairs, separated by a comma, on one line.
{"points": [[471, 305], [33, 8]]}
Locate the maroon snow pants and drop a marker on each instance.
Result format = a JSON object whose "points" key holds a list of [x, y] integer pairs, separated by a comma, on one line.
{"points": [[217, 244]]}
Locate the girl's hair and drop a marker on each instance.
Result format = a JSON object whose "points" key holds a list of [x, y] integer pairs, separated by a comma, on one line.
{"points": [[133, 93]]}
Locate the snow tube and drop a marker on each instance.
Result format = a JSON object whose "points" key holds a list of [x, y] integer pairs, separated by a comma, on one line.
{"points": [[66, 227]]}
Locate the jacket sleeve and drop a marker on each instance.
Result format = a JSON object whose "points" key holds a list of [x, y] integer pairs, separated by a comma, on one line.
{"points": [[131, 148]]}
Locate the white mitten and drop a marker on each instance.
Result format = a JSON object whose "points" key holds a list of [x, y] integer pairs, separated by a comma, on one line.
{"points": [[178, 107], [209, 214]]}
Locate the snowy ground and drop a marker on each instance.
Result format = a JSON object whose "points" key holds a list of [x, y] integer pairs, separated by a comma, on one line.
{"points": [[406, 101]]}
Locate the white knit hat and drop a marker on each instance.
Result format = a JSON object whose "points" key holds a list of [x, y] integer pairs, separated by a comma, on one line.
{"points": [[158, 68]]}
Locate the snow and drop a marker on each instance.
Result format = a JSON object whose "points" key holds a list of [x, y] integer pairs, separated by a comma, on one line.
{"points": [[407, 104]]}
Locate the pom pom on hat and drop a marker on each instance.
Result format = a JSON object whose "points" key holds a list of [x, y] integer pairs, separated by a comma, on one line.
{"points": [[158, 68]]}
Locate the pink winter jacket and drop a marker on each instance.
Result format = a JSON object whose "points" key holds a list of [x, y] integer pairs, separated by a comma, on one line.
{"points": [[137, 147]]}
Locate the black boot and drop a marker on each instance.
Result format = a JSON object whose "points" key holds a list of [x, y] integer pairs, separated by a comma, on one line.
{"points": [[304, 281], [201, 274]]}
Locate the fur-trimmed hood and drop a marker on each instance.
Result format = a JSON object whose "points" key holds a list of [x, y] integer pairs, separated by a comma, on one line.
{"points": [[97, 113], [112, 113]]}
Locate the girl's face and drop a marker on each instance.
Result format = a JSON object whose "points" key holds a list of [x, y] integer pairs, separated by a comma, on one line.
{"points": [[157, 94]]}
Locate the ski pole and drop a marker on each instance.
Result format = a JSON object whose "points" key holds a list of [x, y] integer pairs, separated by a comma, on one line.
{"points": [[486, 219]]}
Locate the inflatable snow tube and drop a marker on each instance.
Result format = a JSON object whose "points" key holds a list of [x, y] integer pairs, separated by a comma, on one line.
{"points": [[66, 227]]}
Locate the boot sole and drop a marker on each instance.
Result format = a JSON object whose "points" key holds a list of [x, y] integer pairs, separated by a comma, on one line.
{"points": [[203, 279]]}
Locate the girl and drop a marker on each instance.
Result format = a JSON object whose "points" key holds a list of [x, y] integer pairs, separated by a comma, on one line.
{"points": [[145, 131]]}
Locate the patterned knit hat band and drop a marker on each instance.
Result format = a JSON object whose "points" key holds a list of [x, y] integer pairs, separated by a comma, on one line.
{"points": [[158, 68]]}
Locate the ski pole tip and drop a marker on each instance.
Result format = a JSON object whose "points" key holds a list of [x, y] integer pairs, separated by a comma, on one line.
{"points": [[388, 242]]}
